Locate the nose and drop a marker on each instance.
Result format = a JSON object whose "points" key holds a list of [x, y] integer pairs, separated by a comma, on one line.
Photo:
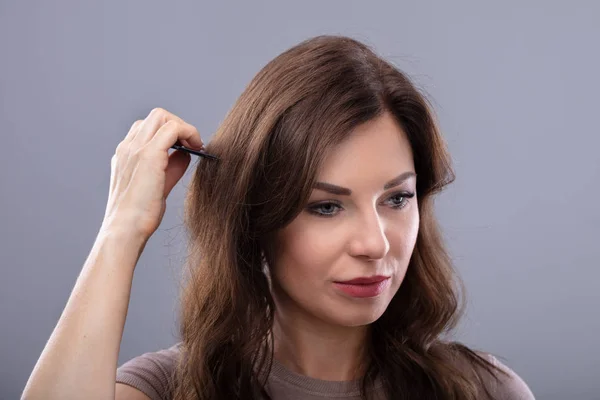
{"points": [[369, 239]]}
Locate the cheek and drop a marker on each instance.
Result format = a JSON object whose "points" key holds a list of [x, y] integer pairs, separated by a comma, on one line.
{"points": [[412, 232], [402, 235], [305, 255]]}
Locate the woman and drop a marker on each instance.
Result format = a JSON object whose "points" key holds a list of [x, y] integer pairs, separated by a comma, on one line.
{"points": [[316, 268]]}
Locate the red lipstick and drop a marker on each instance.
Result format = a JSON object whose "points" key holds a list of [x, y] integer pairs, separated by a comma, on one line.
{"points": [[364, 287]]}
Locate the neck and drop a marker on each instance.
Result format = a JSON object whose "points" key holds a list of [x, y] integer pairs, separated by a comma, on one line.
{"points": [[318, 350]]}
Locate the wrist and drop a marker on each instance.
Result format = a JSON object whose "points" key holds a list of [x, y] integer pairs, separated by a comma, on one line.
{"points": [[126, 237]]}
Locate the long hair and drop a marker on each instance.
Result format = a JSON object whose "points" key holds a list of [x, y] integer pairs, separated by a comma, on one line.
{"points": [[271, 144]]}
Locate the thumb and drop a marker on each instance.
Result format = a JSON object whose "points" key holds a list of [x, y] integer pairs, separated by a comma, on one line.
{"points": [[178, 163]]}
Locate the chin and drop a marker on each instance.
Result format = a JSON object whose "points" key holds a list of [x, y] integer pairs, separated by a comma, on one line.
{"points": [[357, 315], [351, 312]]}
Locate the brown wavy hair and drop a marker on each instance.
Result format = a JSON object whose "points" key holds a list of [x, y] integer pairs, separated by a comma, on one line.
{"points": [[271, 144]]}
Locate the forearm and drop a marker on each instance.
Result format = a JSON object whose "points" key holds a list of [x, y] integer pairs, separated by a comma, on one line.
{"points": [[80, 358]]}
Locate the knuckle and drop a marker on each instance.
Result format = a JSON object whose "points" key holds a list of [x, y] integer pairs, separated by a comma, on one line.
{"points": [[137, 153], [169, 126], [114, 161], [159, 113], [120, 149], [170, 123]]}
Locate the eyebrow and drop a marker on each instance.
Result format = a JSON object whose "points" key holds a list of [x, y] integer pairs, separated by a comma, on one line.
{"points": [[342, 191]]}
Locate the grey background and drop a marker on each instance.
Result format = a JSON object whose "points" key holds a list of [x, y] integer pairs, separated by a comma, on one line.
{"points": [[515, 85]]}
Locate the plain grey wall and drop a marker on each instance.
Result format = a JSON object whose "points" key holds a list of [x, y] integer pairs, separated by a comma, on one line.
{"points": [[515, 85]]}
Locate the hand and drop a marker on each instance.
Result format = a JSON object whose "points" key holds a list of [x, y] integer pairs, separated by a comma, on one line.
{"points": [[143, 173]]}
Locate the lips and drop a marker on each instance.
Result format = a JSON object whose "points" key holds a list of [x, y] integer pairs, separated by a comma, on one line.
{"points": [[364, 287], [365, 280]]}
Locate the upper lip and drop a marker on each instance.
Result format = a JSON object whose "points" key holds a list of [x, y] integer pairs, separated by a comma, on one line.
{"points": [[365, 280]]}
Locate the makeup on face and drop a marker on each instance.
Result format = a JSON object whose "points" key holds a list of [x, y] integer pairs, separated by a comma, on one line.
{"points": [[364, 287], [342, 191]]}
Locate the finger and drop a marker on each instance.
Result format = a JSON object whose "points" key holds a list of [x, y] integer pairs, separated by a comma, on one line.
{"points": [[178, 163], [121, 155], [135, 127], [123, 147], [122, 151], [155, 119], [113, 169], [174, 131]]}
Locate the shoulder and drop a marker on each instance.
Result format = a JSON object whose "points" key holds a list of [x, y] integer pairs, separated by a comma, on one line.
{"points": [[151, 373], [509, 385]]}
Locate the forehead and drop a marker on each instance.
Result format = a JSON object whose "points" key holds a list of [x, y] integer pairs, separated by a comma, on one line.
{"points": [[377, 148]]}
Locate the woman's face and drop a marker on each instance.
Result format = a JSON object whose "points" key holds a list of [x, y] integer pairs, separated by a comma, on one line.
{"points": [[361, 222]]}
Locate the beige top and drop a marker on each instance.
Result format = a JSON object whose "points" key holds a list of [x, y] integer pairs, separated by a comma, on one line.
{"points": [[150, 373]]}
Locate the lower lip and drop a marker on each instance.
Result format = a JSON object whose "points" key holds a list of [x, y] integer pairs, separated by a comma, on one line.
{"points": [[363, 291]]}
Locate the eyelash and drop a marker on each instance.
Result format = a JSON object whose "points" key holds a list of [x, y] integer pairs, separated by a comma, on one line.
{"points": [[406, 196]]}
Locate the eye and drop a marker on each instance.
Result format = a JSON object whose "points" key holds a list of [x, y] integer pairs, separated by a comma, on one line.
{"points": [[324, 209], [328, 209], [404, 199]]}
